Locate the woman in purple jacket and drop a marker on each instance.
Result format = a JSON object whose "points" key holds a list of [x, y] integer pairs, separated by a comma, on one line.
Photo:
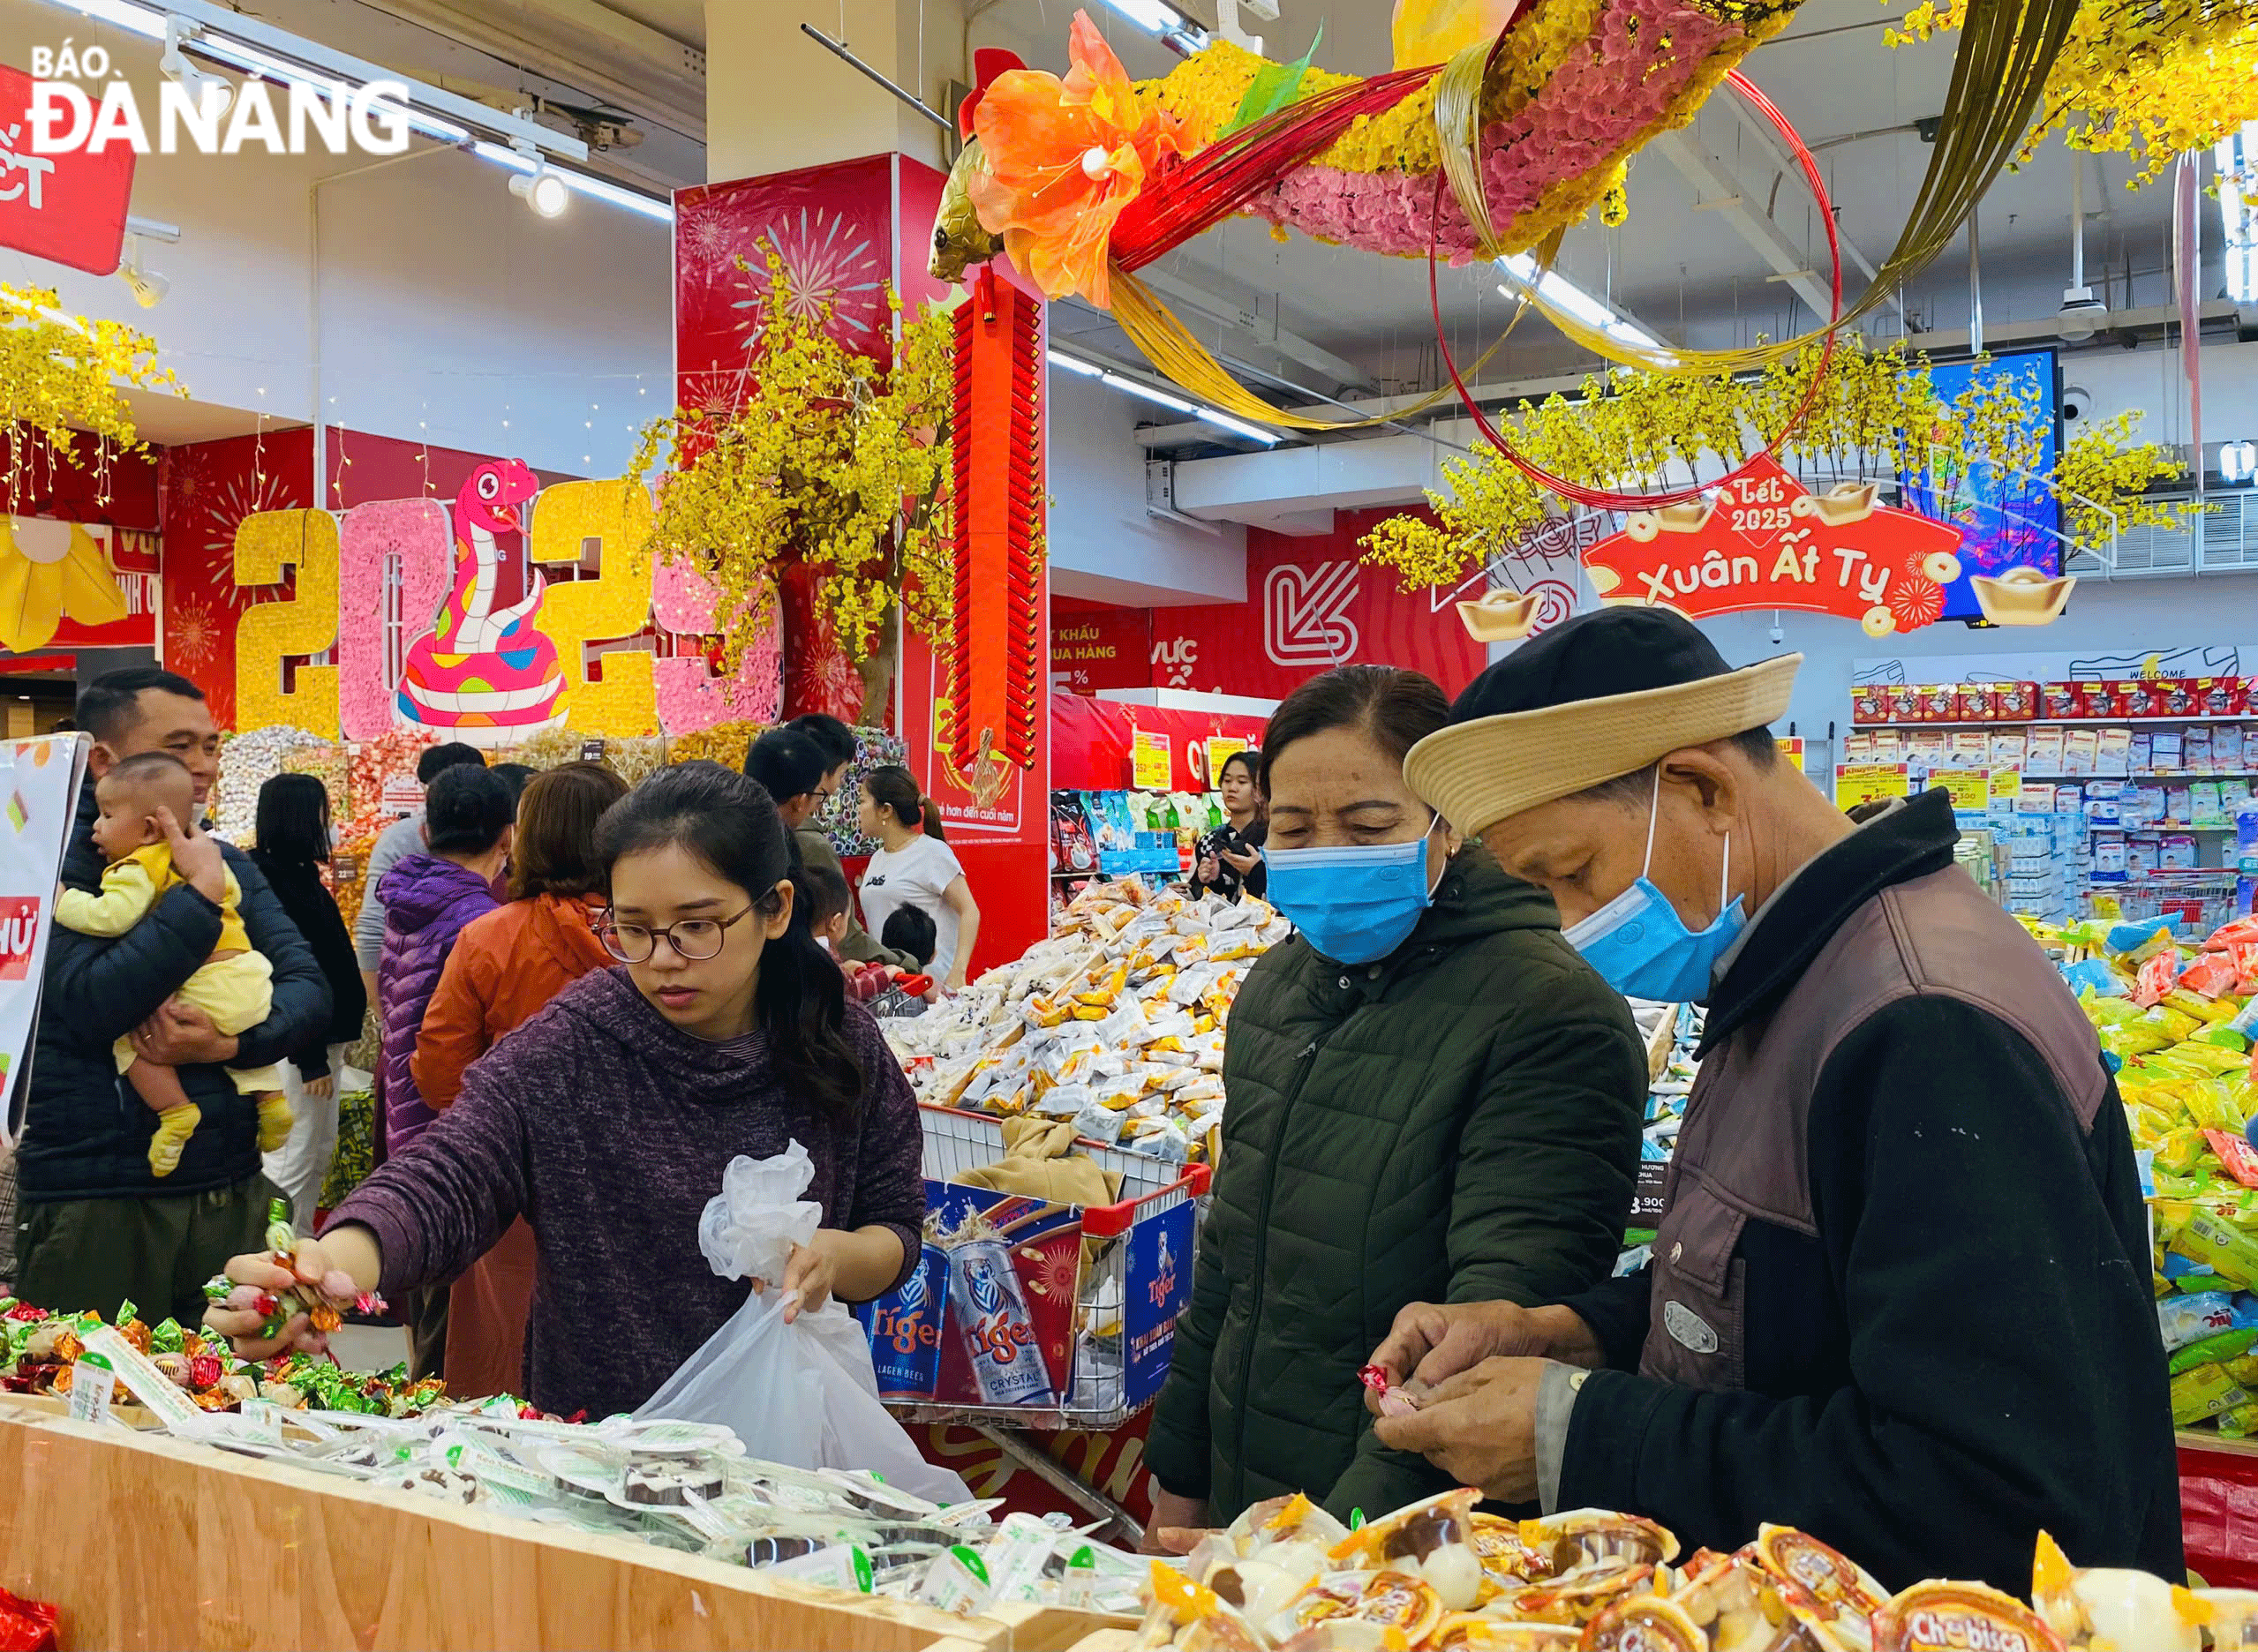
{"points": [[429, 899], [607, 1119]]}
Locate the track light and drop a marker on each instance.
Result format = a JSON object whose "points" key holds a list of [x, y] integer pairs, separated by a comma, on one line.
{"points": [[542, 191], [148, 287], [198, 83]]}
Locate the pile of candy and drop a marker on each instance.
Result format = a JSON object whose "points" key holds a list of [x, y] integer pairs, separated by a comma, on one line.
{"points": [[247, 761], [1438, 1577], [2176, 1019], [1115, 1022], [41, 1350]]}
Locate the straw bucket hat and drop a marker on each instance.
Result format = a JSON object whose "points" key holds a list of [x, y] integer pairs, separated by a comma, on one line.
{"points": [[1602, 696]]}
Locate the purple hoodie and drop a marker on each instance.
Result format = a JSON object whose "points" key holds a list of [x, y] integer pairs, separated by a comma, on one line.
{"points": [[608, 1128], [428, 901]]}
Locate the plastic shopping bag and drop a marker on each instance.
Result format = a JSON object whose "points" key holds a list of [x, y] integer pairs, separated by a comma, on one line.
{"points": [[803, 1395]]}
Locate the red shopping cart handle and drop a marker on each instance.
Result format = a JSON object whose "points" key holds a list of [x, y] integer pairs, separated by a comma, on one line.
{"points": [[916, 986]]}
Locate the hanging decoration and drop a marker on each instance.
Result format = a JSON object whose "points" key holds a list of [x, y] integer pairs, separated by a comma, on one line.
{"points": [[1872, 413], [49, 570], [1495, 152], [829, 470], [61, 385], [995, 658], [1766, 541], [2150, 82]]}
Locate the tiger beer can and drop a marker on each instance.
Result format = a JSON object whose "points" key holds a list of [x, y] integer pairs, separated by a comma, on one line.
{"points": [[991, 1313], [904, 1327]]}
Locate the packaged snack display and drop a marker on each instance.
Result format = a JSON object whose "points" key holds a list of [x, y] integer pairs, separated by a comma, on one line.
{"points": [[1592, 1579], [1115, 1022]]}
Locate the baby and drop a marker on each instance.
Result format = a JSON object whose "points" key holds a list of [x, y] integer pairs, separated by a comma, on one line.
{"points": [[234, 986]]}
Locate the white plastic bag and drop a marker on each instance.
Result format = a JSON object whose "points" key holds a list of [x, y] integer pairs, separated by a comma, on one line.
{"points": [[803, 1395]]}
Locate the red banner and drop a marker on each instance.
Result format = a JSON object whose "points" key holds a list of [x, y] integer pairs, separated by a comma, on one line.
{"points": [[69, 207], [1767, 541], [1103, 648], [1311, 605]]}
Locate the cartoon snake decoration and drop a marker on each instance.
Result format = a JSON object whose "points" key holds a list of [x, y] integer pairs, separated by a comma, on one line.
{"points": [[484, 676]]}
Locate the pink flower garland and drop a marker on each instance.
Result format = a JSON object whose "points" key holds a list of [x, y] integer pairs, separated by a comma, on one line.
{"points": [[1589, 111]]}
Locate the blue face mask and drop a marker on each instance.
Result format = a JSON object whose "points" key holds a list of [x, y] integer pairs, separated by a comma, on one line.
{"points": [[1356, 904], [1643, 948]]}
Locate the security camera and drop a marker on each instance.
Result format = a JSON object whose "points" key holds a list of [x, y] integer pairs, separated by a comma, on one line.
{"points": [[2077, 403]]}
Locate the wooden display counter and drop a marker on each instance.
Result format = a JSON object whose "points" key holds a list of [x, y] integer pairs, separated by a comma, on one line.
{"points": [[145, 1541]]}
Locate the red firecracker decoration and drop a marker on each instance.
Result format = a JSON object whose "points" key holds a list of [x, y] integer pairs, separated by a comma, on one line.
{"points": [[995, 665]]}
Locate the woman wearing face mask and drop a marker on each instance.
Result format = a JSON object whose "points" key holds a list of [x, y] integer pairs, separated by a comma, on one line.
{"points": [[293, 843], [1430, 1092], [610, 1116]]}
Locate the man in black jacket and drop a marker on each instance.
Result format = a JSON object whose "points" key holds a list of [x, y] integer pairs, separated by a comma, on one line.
{"points": [[1900, 1294], [94, 1225]]}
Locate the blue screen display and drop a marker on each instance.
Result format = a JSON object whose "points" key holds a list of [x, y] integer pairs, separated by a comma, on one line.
{"points": [[2009, 520]]}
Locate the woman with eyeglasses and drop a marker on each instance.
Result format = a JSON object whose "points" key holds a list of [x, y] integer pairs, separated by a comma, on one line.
{"points": [[608, 1119]]}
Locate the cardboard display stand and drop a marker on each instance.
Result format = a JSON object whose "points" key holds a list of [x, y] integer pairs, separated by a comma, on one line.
{"points": [[146, 1541]]}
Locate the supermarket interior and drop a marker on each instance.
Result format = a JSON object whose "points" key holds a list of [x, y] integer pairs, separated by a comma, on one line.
{"points": [[1203, 823]]}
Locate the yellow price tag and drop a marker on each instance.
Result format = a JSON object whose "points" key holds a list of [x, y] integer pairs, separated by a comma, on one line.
{"points": [[1969, 788], [1149, 761], [1864, 783]]}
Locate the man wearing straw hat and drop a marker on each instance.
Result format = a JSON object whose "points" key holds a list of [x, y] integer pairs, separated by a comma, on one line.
{"points": [[1901, 1297]]}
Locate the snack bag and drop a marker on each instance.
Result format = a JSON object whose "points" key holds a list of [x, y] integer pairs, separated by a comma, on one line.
{"points": [[1845, 1593], [2108, 1608], [1939, 1617], [1430, 1539]]}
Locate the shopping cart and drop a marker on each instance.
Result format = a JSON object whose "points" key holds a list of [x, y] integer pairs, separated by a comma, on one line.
{"points": [[1129, 1266]]}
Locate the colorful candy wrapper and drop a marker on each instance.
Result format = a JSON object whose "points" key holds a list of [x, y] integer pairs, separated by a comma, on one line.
{"points": [[1392, 1401]]}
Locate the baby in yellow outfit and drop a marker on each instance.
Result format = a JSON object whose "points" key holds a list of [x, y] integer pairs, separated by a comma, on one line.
{"points": [[236, 985]]}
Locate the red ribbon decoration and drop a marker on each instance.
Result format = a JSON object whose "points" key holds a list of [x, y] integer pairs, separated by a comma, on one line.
{"points": [[1605, 499]]}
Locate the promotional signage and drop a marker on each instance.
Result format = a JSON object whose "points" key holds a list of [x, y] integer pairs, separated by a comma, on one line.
{"points": [[1109, 650], [1865, 783], [39, 798], [1149, 760], [1767, 541], [68, 208], [1312, 603]]}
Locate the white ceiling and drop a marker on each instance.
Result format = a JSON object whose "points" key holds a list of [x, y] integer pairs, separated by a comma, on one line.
{"points": [[1686, 273]]}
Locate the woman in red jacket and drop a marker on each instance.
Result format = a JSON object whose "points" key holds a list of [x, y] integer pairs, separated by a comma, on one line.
{"points": [[504, 968]]}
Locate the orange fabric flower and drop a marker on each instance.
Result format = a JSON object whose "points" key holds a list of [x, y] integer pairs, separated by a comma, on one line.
{"points": [[1064, 158]]}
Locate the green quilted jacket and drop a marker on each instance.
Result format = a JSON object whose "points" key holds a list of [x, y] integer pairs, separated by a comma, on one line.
{"points": [[1456, 1123]]}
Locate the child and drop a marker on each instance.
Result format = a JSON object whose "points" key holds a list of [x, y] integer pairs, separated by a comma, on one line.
{"points": [[829, 909], [911, 929], [234, 986]]}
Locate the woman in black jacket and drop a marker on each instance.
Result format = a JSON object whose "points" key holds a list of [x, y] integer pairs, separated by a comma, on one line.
{"points": [[293, 845]]}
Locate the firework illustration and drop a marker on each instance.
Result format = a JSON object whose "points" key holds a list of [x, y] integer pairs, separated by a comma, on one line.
{"points": [[827, 261], [192, 633], [187, 481], [1914, 599], [705, 241], [241, 495]]}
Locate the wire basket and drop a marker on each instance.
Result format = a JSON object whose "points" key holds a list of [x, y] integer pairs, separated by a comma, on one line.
{"points": [[1047, 1315]]}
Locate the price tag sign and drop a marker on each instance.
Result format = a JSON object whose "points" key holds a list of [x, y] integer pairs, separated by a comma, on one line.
{"points": [[1220, 749], [592, 750], [1150, 765], [1969, 789], [92, 1384], [1864, 783], [1792, 749]]}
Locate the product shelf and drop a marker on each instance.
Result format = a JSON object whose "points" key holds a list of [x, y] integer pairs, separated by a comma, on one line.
{"points": [[2099, 722]]}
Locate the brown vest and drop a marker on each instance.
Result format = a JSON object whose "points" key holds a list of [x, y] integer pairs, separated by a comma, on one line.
{"points": [[1743, 1149]]}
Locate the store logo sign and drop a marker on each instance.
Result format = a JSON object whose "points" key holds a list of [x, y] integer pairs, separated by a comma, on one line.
{"points": [[205, 114], [1305, 614]]}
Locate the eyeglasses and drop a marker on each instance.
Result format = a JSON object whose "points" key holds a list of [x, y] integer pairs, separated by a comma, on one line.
{"points": [[693, 939]]}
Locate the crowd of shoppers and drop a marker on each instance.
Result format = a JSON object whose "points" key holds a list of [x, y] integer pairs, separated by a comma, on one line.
{"points": [[591, 999]]}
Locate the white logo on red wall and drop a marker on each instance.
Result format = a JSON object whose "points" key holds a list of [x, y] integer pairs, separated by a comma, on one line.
{"points": [[1305, 614], [1177, 658], [18, 928]]}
